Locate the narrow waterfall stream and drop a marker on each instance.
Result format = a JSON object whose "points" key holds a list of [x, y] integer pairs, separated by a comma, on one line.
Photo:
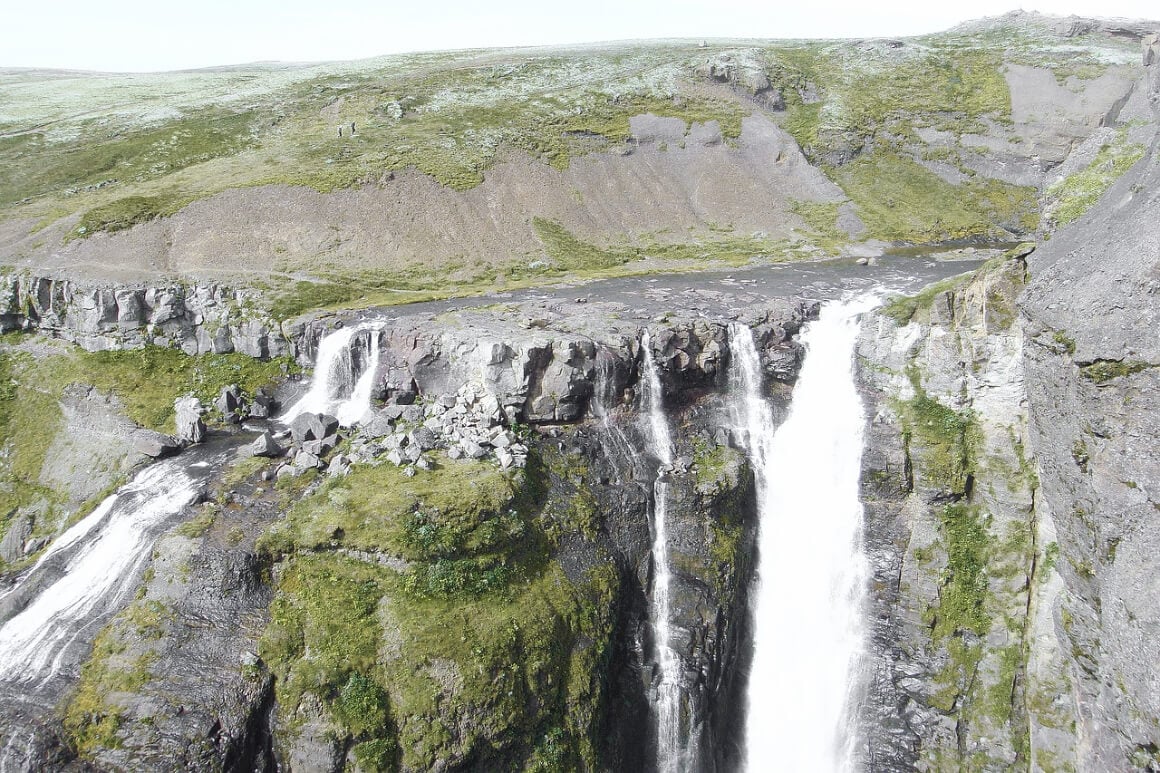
{"points": [[808, 608], [89, 571], [673, 754], [344, 376]]}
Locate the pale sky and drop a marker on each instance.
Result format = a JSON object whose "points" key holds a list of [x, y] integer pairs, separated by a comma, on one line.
{"points": [[151, 35]]}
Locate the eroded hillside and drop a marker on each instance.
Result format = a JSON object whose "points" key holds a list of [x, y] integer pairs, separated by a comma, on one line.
{"points": [[388, 180]]}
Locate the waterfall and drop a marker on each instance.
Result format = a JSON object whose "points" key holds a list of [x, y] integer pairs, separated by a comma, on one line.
{"points": [[88, 572], [672, 754], [808, 608], [344, 376]]}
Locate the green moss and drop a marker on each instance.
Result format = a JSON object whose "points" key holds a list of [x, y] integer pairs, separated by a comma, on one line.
{"points": [[460, 508], [902, 308], [29, 419], [567, 252], [341, 630], [200, 523], [1103, 371], [943, 438], [865, 94], [1064, 340], [1078, 192], [323, 633], [505, 672], [242, 470], [35, 165], [900, 200], [92, 718], [125, 213], [821, 217], [962, 598], [148, 380]]}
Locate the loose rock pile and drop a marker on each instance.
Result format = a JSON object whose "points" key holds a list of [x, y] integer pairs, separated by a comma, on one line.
{"points": [[467, 425]]}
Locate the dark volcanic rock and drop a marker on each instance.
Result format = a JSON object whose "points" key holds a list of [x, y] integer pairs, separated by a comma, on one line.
{"points": [[155, 444], [313, 426]]}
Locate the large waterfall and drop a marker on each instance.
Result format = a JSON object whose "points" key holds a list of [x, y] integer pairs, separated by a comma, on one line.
{"points": [[808, 626], [344, 376], [88, 572], [673, 753]]}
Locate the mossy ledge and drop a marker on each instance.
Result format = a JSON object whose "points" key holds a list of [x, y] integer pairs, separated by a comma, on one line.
{"points": [[437, 600]]}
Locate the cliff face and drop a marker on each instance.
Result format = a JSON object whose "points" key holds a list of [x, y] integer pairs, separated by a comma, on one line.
{"points": [[1010, 484], [950, 491], [197, 319], [1091, 362], [460, 616]]}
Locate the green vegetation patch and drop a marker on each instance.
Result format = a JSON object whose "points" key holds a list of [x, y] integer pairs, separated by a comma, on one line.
{"points": [[29, 419], [568, 252], [1077, 193], [125, 213], [1103, 371], [821, 218], [902, 308], [565, 255], [464, 527], [944, 438], [147, 381], [33, 164], [504, 673], [93, 717], [861, 93], [900, 200], [963, 595]]}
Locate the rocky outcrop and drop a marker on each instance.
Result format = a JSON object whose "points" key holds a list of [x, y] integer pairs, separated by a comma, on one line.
{"points": [[198, 319], [1093, 375], [745, 75], [1011, 499], [952, 533], [541, 375]]}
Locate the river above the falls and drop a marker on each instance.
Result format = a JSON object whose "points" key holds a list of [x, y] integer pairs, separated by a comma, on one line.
{"points": [[717, 293]]}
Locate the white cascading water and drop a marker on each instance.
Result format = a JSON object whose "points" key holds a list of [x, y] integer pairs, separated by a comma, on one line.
{"points": [[808, 610], [110, 545], [672, 754], [339, 387]]}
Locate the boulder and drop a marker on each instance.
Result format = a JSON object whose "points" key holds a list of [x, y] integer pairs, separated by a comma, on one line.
{"points": [[263, 406], [312, 426], [155, 444], [288, 471], [392, 412], [379, 425], [190, 426], [266, 445], [320, 447], [230, 403], [422, 437], [473, 450], [305, 460]]}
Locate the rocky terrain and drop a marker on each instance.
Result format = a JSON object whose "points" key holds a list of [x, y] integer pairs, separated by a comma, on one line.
{"points": [[460, 577]]}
